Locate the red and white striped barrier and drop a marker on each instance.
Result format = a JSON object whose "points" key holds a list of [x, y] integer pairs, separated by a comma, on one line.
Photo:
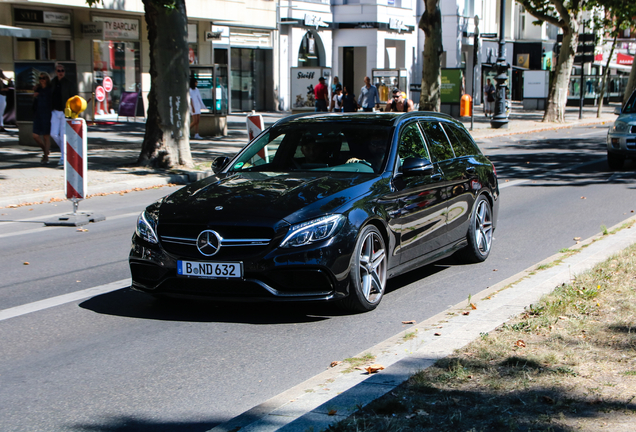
{"points": [[75, 162], [254, 125]]}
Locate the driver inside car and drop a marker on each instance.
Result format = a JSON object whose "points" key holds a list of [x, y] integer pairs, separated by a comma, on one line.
{"points": [[376, 150]]}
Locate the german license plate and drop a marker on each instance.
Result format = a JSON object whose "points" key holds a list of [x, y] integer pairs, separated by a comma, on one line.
{"points": [[210, 269]]}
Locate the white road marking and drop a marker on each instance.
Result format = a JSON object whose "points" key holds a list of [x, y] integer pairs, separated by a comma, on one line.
{"points": [[41, 229], [62, 299]]}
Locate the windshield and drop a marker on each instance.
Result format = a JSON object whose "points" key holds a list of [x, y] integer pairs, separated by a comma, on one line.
{"points": [[630, 106], [318, 146]]}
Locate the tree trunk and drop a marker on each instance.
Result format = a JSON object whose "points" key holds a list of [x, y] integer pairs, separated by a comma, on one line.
{"points": [[604, 79], [631, 85], [167, 138], [431, 23], [558, 95]]}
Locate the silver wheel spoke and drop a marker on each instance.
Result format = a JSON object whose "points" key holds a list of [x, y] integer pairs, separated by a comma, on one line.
{"points": [[372, 268]]}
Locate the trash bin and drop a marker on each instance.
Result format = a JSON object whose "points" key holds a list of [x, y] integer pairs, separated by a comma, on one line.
{"points": [[465, 106]]}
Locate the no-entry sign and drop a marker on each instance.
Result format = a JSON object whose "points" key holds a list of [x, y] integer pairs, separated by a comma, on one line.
{"points": [[100, 94], [108, 84]]}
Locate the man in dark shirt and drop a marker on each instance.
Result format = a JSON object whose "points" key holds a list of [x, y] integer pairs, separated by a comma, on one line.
{"points": [[321, 94], [62, 90]]}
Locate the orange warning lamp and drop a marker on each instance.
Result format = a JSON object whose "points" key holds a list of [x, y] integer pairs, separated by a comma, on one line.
{"points": [[74, 106]]}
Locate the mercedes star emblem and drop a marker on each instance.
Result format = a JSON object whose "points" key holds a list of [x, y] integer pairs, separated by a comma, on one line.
{"points": [[209, 242]]}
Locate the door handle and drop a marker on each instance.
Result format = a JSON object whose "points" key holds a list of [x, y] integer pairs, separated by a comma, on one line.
{"points": [[436, 177], [470, 170]]}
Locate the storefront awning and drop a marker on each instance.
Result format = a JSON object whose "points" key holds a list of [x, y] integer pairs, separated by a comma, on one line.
{"points": [[24, 33]]}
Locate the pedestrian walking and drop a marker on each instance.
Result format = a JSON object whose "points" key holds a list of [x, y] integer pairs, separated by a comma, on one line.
{"points": [[3, 98], [349, 103], [42, 107], [62, 89], [196, 105], [336, 100], [489, 98], [321, 95], [368, 96], [399, 103]]}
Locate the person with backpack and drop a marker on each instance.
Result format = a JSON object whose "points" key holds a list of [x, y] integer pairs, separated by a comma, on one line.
{"points": [[489, 98]]}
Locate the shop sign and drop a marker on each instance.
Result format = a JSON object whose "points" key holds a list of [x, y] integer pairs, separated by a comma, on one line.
{"points": [[397, 24], [42, 17], [624, 59], [119, 28], [220, 35], [58, 18], [523, 60], [303, 80], [314, 21], [93, 30]]}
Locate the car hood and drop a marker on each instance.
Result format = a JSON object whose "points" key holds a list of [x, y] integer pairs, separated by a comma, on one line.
{"points": [[627, 118], [263, 198]]}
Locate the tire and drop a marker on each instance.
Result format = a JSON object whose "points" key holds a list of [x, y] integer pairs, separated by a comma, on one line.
{"points": [[615, 161], [480, 232], [367, 276]]}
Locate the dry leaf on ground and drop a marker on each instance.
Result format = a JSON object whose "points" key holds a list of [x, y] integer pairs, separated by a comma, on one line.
{"points": [[335, 363], [374, 368]]}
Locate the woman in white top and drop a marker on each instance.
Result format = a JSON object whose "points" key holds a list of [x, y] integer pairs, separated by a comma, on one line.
{"points": [[196, 104]]}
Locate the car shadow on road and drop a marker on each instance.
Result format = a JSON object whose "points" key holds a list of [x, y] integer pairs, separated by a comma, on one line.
{"points": [[129, 303], [135, 424]]}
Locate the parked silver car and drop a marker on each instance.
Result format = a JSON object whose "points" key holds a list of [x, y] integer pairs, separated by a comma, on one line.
{"points": [[621, 137]]}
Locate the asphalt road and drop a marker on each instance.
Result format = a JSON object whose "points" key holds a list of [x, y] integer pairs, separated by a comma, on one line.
{"points": [[119, 361]]}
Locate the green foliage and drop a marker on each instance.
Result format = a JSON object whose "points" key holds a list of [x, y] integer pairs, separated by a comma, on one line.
{"points": [[619, 15]]}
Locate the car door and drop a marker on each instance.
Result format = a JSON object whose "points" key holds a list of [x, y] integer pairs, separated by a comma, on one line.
{"points": [[419, 212], [462, 173]]}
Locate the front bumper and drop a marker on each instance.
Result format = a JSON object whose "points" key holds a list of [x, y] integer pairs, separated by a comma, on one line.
{"points": [[622, 143], [311, 273]]}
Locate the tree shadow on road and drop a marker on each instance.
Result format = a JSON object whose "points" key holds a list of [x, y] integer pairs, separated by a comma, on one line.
{"points": [[136, 424]]}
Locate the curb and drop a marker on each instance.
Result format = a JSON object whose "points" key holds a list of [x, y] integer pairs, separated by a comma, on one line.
{"points": [[110, 188], [333, 396]]}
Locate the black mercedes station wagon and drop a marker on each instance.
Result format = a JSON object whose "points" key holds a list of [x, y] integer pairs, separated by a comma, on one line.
{"points": [[322, 207]]}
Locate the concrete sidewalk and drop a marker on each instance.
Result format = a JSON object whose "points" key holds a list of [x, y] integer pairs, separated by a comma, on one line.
{"points": [[113, 150], [335, 394]]}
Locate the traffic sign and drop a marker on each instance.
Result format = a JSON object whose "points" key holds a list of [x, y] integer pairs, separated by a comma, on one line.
{"points": [[108, 84], [584, 58], [100, 94]]}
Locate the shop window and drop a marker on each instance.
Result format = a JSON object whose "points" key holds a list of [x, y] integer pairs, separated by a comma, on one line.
{"points": [[120, 61], [309, 53], [31, 49], [60, 50]]}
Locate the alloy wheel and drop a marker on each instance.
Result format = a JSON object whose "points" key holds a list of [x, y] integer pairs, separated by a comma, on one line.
{"points": [[372, 267], [483, 227]]}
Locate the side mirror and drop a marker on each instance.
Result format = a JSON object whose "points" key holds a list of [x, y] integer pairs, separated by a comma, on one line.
{"points": [[219, 163], [417, 167], [618, 110]]}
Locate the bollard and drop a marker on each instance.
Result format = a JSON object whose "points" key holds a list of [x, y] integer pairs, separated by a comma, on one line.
{"points": [[465, 106]]}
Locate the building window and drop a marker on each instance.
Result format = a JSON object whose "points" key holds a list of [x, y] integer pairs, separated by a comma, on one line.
{"points": [[309, 52]]}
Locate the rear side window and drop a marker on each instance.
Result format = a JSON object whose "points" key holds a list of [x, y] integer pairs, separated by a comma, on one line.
{"points": [[462, 143], [412, 143], [438, 144]]}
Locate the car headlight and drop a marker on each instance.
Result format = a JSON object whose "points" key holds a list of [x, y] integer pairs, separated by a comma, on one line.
{"points": [[312, 231], [146, 227], [620, 127]]}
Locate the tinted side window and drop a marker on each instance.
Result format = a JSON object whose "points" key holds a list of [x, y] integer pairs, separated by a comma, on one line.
{"points": [[438, 144], [412, 143], [462, 143]]}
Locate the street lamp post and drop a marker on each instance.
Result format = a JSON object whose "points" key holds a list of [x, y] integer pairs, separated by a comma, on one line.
{"points": [[500, 119]]}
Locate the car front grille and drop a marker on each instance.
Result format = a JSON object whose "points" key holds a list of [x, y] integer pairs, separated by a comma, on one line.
{"points": [[237, 242], [633, 129]]}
